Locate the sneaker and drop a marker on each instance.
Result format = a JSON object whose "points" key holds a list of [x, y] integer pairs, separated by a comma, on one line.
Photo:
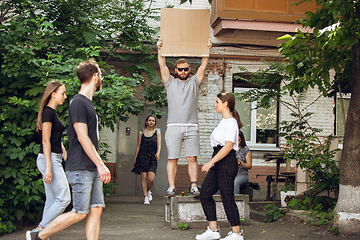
{"points": [[171, 191], [209, 235], [31, 235], [195, 192], [234, 236], [149, 193], [146, 201]]}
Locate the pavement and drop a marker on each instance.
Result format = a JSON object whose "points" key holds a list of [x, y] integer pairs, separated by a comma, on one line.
{"points": [[126, 217]]}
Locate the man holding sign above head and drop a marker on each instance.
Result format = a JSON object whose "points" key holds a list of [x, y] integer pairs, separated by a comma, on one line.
{"points": [[182, 124]]}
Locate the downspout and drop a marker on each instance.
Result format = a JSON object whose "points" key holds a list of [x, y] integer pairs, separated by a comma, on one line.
{"points": [[223, 75]]}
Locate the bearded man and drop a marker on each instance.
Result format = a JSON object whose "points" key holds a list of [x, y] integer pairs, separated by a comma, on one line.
{"points": [[182, 123]]}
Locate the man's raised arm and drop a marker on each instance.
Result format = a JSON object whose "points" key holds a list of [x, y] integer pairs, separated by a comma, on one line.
{"points": [[164, 70], [204, 62]]}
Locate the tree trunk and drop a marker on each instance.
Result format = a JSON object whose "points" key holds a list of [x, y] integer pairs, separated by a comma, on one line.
{"points": [[347, 210]]}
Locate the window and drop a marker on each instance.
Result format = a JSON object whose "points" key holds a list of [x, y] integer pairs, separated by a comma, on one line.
{"points": [[259, 124]]}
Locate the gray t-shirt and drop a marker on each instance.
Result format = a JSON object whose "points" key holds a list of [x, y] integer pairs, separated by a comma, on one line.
{"points": [[182, 97]]}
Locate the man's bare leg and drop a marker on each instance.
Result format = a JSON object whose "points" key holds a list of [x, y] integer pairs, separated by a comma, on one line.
{"points": [[193, 169], [193, 173], [171, 169], [60, 223], [93, 223]]}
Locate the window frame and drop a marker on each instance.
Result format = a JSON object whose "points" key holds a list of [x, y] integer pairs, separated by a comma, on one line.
{"points": [[253, 130]]}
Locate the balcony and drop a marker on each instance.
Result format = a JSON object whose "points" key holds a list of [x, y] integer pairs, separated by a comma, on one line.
{"points": [[274, 15]]}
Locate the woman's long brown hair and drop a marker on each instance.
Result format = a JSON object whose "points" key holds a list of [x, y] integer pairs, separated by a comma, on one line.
{"points": [[230, 99], [50, 88]]}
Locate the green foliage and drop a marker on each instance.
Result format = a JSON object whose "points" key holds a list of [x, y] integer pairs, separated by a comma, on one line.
{"points": [[302, 141], [321, 209], [311, 56], [243, 222], [183, 226], [313, 203], [273, 213], [334, 230], [314, 158], [6, 227], [109, 187], [290, 187], [190, 1], [323, 218], [45, 40]]}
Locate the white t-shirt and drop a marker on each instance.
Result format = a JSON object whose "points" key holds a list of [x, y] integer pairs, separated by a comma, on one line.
{"points": [[226, 131]]}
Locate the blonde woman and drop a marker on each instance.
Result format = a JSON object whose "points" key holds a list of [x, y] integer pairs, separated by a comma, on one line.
{"points": [[52, 150], [146, 156]]}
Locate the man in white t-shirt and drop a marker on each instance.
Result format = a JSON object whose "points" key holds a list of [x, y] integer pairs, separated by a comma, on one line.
{"points": [[182, 124]]}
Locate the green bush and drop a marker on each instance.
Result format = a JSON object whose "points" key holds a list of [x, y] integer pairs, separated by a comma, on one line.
{"points": [[6, 227], [273, 213], [45, 40]]}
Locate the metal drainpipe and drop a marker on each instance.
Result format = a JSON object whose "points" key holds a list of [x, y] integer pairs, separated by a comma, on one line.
{"points": [[223, 75]]}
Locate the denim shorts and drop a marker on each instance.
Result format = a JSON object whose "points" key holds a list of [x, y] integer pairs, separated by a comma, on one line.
{"points": [[176, 134], [87, 190]]}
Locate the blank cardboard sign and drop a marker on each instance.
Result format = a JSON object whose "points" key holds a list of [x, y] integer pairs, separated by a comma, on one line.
{"points": [[184, 32]]}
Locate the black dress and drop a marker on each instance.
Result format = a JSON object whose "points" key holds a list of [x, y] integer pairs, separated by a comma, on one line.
{"points": [[145, 160]]}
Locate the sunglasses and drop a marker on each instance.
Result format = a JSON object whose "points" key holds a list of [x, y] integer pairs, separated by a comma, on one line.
{"points": [[181, 69]]}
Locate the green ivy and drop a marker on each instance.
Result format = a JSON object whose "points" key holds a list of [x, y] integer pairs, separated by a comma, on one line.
{"points": [[44, 40]]}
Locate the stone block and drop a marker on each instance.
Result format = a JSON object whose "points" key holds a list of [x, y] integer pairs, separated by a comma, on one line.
{"points": [[189, 210]]}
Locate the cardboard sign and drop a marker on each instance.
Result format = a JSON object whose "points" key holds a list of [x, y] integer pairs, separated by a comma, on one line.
{"points": [[184, 32]]}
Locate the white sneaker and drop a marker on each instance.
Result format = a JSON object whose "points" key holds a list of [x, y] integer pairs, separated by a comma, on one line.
{"points": [[149, 193], [171, 191], [195, 192], [146, 201], [209, 235], [234, 236]]}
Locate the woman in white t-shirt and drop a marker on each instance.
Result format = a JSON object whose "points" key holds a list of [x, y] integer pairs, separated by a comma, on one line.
{"points": [[222, 169]]}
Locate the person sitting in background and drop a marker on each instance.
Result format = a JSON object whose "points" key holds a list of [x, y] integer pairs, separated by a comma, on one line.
{"points": [[244, 158]]}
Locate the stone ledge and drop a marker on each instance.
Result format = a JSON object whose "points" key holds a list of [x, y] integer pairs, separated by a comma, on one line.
{"points": [[181, 209]]}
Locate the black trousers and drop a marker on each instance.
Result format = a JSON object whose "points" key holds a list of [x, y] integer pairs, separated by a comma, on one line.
{"points": [[221, 177]]}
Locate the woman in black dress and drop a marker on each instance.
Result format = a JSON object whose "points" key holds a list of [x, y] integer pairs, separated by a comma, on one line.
{"points": [[146, 156]]}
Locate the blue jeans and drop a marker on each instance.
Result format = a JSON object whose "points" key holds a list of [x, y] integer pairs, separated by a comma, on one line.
{"points": [[240, 181], [87, 190], [57, 191]]}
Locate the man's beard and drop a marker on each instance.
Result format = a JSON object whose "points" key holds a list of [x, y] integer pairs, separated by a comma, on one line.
{"points": [[177, 75]]}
